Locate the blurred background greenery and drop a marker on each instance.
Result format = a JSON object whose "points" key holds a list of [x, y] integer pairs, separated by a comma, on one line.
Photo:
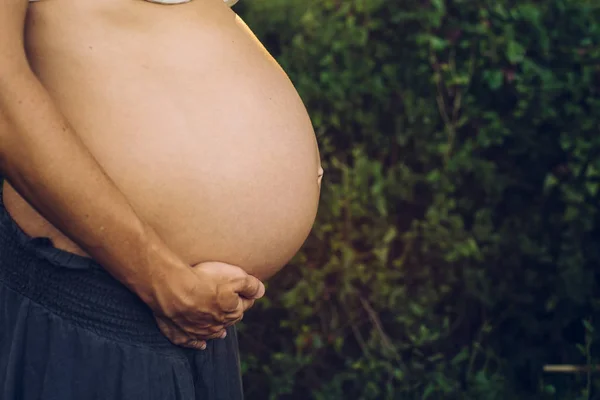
{"points": [[457, 245]]}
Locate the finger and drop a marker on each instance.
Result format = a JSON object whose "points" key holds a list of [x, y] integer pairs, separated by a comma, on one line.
{"points": [[242, 306], [179, 337], [237, 315], [206, 333], [248, 287], [227, 300], [247, 304], [195, 344], [215, 331], [211, 336], [234, 321], [230, 296]]}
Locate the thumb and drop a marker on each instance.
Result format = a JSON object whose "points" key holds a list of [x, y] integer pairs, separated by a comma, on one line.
{"points": [[248, 287]]}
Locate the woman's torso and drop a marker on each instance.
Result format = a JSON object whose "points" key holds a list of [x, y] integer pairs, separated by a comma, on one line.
{"points": [[192, 119]]}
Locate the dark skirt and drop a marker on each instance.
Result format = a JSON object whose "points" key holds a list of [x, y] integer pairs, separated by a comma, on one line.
{"points": [[69, 331]]}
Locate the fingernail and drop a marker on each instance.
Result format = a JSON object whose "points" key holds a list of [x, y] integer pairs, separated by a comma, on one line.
{"points": [[203, 346], [224, 335]]}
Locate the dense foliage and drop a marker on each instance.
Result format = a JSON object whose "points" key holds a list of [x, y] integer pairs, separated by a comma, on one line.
{"points": [[458, 242]]}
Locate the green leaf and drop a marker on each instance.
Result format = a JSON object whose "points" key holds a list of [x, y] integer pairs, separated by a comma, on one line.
{"points": [[429, 390], [494, 78], [515, 52], [462, 356]]}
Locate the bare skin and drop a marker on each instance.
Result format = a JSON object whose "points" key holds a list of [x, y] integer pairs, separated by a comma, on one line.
{"points": [[185, 141], [192, 119]]}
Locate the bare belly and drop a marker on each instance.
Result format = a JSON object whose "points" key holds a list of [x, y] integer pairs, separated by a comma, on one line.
{"points": [[192, 119]]}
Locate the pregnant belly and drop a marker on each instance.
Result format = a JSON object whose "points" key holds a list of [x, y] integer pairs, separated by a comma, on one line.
{"points": [[195, 122]]}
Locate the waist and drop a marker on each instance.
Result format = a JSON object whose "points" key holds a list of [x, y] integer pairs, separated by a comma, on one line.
{"points": [[75, 288]]}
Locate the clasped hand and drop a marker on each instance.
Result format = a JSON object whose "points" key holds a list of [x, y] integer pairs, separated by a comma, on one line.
{"points": [[199, 305]]}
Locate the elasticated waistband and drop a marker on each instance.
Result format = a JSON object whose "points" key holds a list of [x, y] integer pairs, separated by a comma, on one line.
{"points": [[75, 288]]}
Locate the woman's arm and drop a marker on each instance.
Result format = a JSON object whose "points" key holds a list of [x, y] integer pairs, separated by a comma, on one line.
{"points": [[44, 160]]}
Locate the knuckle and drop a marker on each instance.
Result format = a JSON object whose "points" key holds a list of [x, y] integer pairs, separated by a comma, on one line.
{"points": [[193, 344], [217, 319], [216, 334], [251, 282], [216, 329], [201, 330], [202, 326]]}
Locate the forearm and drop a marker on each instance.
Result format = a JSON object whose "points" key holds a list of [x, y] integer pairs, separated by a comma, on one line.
{"points": [[51, 168]]}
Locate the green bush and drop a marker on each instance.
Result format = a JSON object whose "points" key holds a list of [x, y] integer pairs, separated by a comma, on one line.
{"points": [[457, 245]]}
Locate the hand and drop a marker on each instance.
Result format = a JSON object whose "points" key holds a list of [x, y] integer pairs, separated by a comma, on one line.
{"points": [[202, 303]]}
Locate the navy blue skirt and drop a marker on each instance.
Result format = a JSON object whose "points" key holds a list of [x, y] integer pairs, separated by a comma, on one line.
{"points": [[69, 331]]}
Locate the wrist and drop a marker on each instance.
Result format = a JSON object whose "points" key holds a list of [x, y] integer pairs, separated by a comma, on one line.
{"points": [[163, 273], [148, 267]]}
